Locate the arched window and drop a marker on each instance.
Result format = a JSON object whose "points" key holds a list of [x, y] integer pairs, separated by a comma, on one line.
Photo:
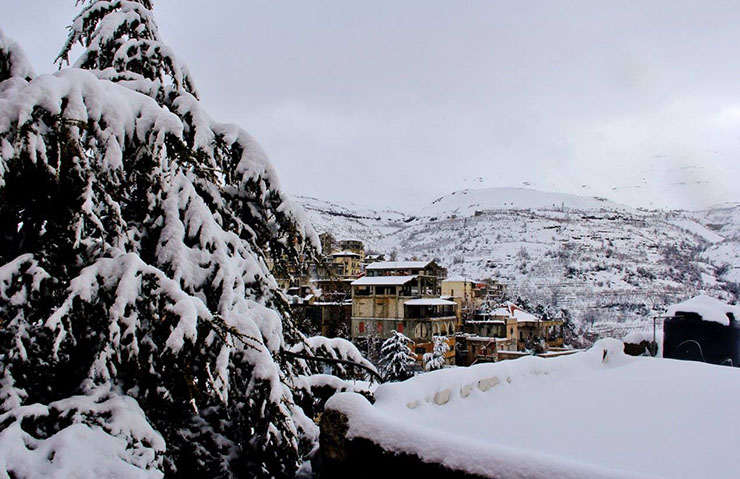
{"points": [[421, 330]]}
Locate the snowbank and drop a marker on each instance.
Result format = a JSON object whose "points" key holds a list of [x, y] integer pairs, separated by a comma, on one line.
{"points": [[708, 308], [596, 414]]}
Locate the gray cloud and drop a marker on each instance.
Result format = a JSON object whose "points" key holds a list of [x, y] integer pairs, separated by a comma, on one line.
{"points": [[399, 102]]}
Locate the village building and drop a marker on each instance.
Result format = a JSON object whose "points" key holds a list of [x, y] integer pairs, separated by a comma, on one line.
{"points": [[507, 332], [467, 293], [403, 296], [374, 258], [328, 243], [346, 264], [353, 245]]}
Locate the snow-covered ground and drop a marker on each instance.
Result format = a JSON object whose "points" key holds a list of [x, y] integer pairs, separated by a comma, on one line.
{"points": [[597, 414], [467, 202]]}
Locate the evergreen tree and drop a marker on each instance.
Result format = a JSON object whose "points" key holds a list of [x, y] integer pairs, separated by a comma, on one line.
{"points": [[396, 357], [135, 300], [436, 359]]}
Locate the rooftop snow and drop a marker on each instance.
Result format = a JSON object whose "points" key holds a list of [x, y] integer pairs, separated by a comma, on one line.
{"points": [[458, 279], [511, 310], [708, 308], [345, 253], [605, 415], [382, 280], [380, 265], [429, 302]]}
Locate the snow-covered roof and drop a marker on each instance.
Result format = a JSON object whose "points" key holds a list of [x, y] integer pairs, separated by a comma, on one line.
{"points": [[522, 316], [345, 253], [380, 265], [487, 338], [458, 279], [382, 280], [429, 302], [708, 308], [511, 310], [500, 312]]}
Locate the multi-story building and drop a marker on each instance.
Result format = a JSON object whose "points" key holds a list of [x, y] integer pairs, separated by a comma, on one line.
{"points": [[508, 329], [328, 243], [468, 294], [346, 264], [403, 296], [353, 245]]}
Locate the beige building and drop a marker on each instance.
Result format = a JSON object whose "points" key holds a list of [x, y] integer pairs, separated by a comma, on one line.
{"points": [[407, 303], [468, 295], [353, 245], [328, 243], [500, 333], [346, 264]]}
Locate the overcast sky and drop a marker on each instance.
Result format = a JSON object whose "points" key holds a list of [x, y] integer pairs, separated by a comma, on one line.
{"points": [[398, 102]]}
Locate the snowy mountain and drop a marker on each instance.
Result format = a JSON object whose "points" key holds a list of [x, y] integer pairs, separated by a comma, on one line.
{"points": [[606, 262], [467, 202]]}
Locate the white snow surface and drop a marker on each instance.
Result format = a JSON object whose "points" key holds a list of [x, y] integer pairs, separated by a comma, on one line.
{"points": [[429, 302], [710, 309], [698, 229], [467, 202], [595, 414], [20, 65], [382, 280], [336, 348], [384, 265]]}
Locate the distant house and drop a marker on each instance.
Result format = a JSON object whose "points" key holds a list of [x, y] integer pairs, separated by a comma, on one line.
{"points": [[354, 245], [430, 274], [407, 303], [328, 243], [467, 293], [428, 269], [346, 264], [374, 258], [508, 329]]}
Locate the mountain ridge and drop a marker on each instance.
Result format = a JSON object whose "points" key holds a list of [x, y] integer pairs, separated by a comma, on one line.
{"points": [[608, 263]]}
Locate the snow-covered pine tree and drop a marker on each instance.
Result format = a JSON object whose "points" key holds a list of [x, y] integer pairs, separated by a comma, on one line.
{"points": [[436, 359], [137, 312], [122, 43], [396, 357]]}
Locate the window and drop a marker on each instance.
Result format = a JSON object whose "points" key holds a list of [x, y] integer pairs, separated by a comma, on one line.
{"points": [[361, 327], [399, 327], [421, 331]]}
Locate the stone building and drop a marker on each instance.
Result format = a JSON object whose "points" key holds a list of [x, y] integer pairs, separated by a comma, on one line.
{"points": [[403, 296]]}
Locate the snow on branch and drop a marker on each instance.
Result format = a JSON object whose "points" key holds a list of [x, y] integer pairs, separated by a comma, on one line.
{"points": [[122, 35]]}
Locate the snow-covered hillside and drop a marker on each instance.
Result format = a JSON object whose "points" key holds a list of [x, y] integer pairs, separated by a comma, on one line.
{"points": [[467, 202], [606, 262], [346, 220]]}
